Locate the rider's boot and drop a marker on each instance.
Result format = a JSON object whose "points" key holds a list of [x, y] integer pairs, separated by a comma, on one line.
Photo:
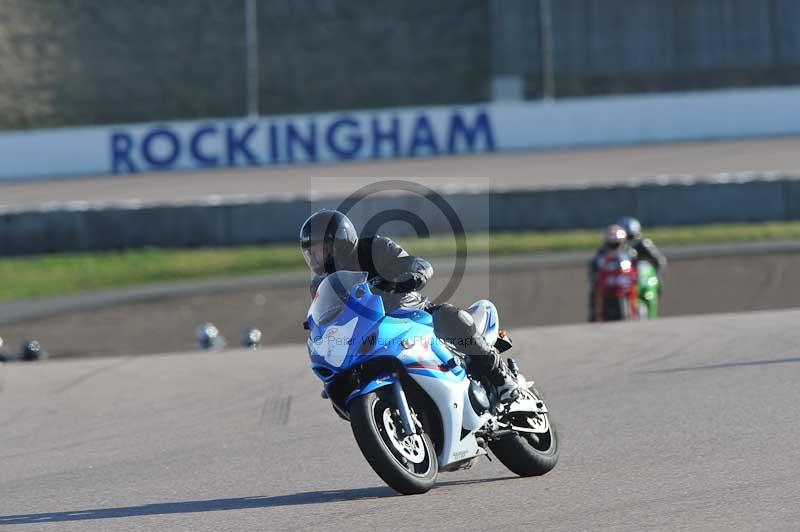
{"points": [[505, 382], [486, 360]]}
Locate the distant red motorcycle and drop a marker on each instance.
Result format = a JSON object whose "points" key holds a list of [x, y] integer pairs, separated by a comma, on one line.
{"points": [[616, 289]]}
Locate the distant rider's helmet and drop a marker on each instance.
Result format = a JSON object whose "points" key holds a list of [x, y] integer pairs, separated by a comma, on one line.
{"points": [[615, 237], [251, 338], [633, 228], [208, 337], [327, 239], [32, 350]]}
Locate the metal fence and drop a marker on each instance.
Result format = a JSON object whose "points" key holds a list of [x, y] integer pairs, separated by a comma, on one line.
{"points": [[568, 48], [71, 62]]}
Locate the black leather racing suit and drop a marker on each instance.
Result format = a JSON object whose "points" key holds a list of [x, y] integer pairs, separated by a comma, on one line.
{"points": [[383, 259], [646, 250]]}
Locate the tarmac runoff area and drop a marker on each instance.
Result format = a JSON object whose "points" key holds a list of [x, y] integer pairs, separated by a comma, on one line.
{"points": [[529, 290], [538, 169], [686, 423]]}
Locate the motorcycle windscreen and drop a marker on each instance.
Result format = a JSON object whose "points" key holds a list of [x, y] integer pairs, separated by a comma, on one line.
{"points": [[332, 295], [342, 312]]}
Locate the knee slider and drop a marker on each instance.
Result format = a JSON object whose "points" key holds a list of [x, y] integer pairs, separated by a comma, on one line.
{"points": [[451, 320]]}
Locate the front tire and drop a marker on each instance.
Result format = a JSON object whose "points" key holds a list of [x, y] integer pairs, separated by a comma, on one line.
{"points": [[614, 309], [528, 456], [408, 466], [643, 310]]}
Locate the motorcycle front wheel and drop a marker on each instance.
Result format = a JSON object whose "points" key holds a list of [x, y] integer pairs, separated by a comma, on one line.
{"points": [[615, 309], [407, 464], [643, 310]]}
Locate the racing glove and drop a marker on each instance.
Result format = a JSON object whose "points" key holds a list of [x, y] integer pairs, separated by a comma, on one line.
{"points": [[404, 284]]}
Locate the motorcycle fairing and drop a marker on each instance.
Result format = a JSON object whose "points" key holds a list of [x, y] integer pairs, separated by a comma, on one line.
{"points": [[362, 332], [648, 280], [384, 379]]}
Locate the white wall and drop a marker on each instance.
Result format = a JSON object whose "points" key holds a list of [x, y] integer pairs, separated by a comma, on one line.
{"points": [[407, 132]]}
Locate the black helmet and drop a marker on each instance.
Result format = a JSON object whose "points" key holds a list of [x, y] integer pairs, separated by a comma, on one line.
{"points": [[32, 350], [632, 227], [251, 338], [208, 337], [327, 239]]}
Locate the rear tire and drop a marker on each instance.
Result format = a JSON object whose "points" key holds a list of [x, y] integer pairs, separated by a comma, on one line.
{"points": [[522, 456], [376, 436]]}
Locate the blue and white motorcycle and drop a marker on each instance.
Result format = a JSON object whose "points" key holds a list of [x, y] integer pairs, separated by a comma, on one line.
{"points": [[413, 407]]}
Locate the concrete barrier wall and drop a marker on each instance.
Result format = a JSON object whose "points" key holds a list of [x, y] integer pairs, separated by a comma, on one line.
{"points": [[93, 228], [398, 133]]}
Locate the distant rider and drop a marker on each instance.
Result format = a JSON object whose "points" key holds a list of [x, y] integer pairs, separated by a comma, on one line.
{"points": [[642, 248], [615, 239], [330, 243]]}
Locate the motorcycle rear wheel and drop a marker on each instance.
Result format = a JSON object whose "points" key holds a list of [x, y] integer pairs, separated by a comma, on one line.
{"points": [[408, 466], [527, 456]]}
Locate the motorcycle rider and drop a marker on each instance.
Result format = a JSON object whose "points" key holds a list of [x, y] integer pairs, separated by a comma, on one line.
{"points": [[642, 248], [615, 239], [329, 243]]}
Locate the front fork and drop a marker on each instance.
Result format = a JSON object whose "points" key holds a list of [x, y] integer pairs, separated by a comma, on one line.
{"points": [[403, 408]]}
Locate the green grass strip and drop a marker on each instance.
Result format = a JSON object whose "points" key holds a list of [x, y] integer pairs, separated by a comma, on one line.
{"points": [[69, 273]]}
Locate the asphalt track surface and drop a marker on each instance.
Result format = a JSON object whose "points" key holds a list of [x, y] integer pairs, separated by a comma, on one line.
{"points": [[676, 424], [579, 167]]}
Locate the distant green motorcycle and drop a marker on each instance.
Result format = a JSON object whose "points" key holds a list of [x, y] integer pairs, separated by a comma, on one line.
{"points": [[648, 288]]}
